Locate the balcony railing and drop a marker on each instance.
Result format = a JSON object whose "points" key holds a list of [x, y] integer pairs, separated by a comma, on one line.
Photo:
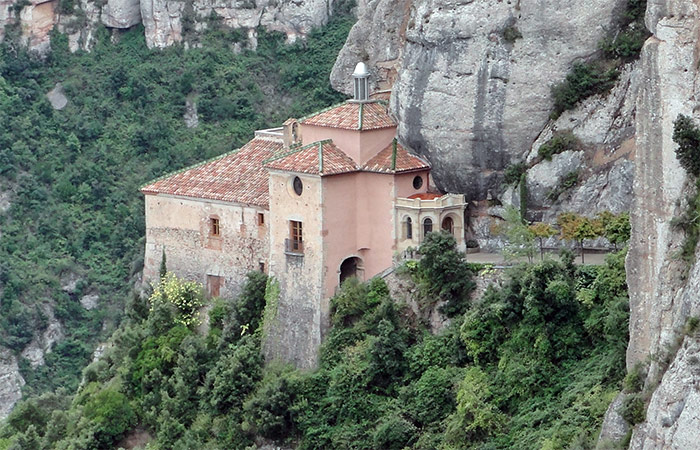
{"points": [[294, 247]]}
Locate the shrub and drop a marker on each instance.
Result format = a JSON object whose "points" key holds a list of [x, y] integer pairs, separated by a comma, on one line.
{"points": [[444, 272], [111, 414], [567, 182], [394, 433], [634, 380], [687, 135], [511, 176], [584, 80], [633, 409], [512, 34], [559, 143], [185, 296], [627, 44]]}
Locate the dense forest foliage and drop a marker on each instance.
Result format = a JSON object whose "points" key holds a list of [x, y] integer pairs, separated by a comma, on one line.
{"points": [[71, 177], [533, 363]]}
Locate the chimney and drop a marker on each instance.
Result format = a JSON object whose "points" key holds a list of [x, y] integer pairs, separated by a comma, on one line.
{"points": [[361, 80], [290, 132]]}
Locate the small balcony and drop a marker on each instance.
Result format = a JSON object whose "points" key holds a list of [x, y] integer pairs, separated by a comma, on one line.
{"points": [[294, 247]]}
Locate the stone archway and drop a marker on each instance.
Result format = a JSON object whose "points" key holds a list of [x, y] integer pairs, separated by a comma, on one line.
{"points": [[350, 267]]}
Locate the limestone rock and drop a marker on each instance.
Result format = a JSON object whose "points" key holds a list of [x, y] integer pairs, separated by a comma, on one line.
{"points": [[121, 13], [37, 20], [164, 20], [546, 176], [191, 118], [657, 304], [89, 301], [57, 97], [11, 382], [42, 344], [473, 102], [5, 202], [376, 39], [69, 282], [615, 428], [673, 415]]}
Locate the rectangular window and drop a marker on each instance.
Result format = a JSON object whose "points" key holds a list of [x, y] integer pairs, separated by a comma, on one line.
{"points": [[296, 236], [262, 267], [214, 283], [214, 229], [261, 219]]}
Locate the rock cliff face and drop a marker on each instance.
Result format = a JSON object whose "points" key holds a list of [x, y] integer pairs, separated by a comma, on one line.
{"points": [[473, 87], [661, 298], [165, 22]]}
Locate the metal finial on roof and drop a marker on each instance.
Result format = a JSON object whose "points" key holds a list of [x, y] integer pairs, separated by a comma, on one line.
{"points": [[360, 70], [361, 82]]}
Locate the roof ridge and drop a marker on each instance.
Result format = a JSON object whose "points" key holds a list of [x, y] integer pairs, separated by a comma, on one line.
{"points": [[293, 150], [320, 111], [193, 166]]}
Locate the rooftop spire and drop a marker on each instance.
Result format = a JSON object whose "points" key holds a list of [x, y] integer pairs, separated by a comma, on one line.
{"points": [[361, 81]]}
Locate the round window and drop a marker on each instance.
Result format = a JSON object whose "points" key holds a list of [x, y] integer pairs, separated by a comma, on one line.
{"points": [[298, 186], [417, 182]]}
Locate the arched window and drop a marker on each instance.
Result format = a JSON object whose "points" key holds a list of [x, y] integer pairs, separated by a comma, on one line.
{"points": [[427, 226], [409, 228], [448, 225]]}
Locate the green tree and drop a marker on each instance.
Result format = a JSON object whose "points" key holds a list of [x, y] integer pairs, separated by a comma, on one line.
{"points": [[687, 135], [163, 266], [519, 239], [542, 231], [444, 272]]}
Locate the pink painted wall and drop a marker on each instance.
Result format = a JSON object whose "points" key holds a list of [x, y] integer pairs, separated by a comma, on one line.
{"points": [[404, 183], [361, 146], [374, 141], [357, 221]]}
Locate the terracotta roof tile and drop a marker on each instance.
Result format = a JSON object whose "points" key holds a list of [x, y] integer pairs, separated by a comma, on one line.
{"points": [[237, 177], [306, 160], [426, 196], [405, 162], [347, 116]]}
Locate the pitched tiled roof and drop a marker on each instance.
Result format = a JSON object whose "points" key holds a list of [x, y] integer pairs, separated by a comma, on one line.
{"points": [[405, 162], [352, 116], [237, 177], [306, 160]]}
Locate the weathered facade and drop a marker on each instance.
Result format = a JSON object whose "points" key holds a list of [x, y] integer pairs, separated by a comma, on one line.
{"points": [[328, 197]]}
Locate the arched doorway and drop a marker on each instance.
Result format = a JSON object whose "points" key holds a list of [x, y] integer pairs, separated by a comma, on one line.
{"points": [[351, 267], [448, 225]]}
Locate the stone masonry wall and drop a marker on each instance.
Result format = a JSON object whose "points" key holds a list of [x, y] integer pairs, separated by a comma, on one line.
{"points": [[181, 226], [293, 331]]}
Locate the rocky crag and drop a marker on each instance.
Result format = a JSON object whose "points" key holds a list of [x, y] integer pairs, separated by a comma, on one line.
{"points": [[165, 22], [663, 291], [471, 80]]}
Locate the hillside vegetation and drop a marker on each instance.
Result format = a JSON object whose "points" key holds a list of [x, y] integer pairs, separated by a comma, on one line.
{"points": [[532, 364], [71, 177]]}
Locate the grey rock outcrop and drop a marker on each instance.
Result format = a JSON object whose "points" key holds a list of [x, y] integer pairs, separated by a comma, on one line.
{"points": [[615, 428], [467, 98], [89, 301], [121, 13], [165, 22], [57, 97], [673, 415], [11, 382], [42, 344]]}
